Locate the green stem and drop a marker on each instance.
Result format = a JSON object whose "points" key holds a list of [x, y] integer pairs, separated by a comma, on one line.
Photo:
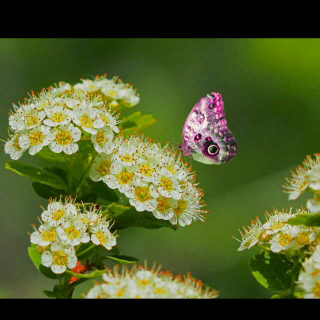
{"points": [[69, 165], [86, 172], [295, 272], [86, 250]]}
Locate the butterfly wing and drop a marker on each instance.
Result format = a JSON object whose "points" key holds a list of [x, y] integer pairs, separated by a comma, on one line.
{"points": [[206, 136]]}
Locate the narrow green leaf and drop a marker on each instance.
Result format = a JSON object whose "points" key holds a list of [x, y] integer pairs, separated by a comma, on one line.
{"points": [[311, 220], [36, 174], [272, 270], [122, 259], [34, 255], [93, 274], [47, 192]]}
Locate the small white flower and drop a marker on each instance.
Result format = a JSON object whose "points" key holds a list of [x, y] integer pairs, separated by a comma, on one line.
{"points": [[57, 116], [284, 240], [86, 118], [101, 168], [101, 235], [13, 148], [60, 257], [73, 231], [35, 139], [45, 236], [64, 139], [56, 213], [164, 208], [108, 120], [26, 117], [141, 196], [168, 185], [102, 141]]}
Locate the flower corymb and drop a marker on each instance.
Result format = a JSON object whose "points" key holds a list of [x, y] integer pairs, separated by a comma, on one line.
{"points": [[65, 226], [276, 234], [141, 282], [60, 116], [154, 178]]}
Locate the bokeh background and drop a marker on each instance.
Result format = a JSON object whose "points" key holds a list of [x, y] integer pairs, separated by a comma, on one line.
{"points": [[271, 93]]}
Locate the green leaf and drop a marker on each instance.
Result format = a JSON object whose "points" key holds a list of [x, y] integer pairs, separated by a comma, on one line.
{"points": [[93, 274], [122, 259], [85, 150], [128, 216], [311, 220], [102, 191], [49, 155], [36, 174], [47, 272], [50, 294], [85, 256], [272, 270], [34, 255], [77, 282], [47, 192], [136, 122]]}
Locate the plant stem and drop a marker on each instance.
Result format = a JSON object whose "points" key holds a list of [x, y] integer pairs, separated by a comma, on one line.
{"points": [[86, 172], [295, 272], [86, 250]]}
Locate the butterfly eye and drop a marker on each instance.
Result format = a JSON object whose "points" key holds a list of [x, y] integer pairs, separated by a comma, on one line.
{"points": [[213, 149]]}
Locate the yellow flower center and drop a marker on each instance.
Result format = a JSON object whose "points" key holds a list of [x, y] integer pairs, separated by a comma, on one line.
{"points": [[104, 167], [180, 207], [120, 293], [277, 225], [163, 204], [16, 144], [125, 177], [303, 238], [36, 138], [315, 272], [49, 235], [101, 237], [64, 138], [171, 169], [160, 291], [126, 158], [166, 184], [105, 119], [316, 290], [31, 120], [101, 138], [112, 93], [60, 258], [284, 239], [86, 121], [72, 232], [146, 170], [143, 282], [142, 194], [58, 215], [58, 117]]}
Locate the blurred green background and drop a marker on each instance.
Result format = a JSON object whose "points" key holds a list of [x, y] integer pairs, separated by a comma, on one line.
{"points": [[271, 93]]}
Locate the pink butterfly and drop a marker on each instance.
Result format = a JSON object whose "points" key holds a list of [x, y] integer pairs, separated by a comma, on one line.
{"points": [[206, 136]]}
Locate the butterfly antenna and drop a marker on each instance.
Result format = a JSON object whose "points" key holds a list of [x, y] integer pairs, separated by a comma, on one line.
{"points": [[171, 140]]}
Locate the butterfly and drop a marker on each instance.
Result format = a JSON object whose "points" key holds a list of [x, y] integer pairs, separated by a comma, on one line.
{"points": [[206, 136]]}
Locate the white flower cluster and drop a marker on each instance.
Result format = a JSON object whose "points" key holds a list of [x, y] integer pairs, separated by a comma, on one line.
{"points": [[306, 177], [60, 116], [309, 278], [277, 234], [154, 179], [64, 227], [139, 282]]}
